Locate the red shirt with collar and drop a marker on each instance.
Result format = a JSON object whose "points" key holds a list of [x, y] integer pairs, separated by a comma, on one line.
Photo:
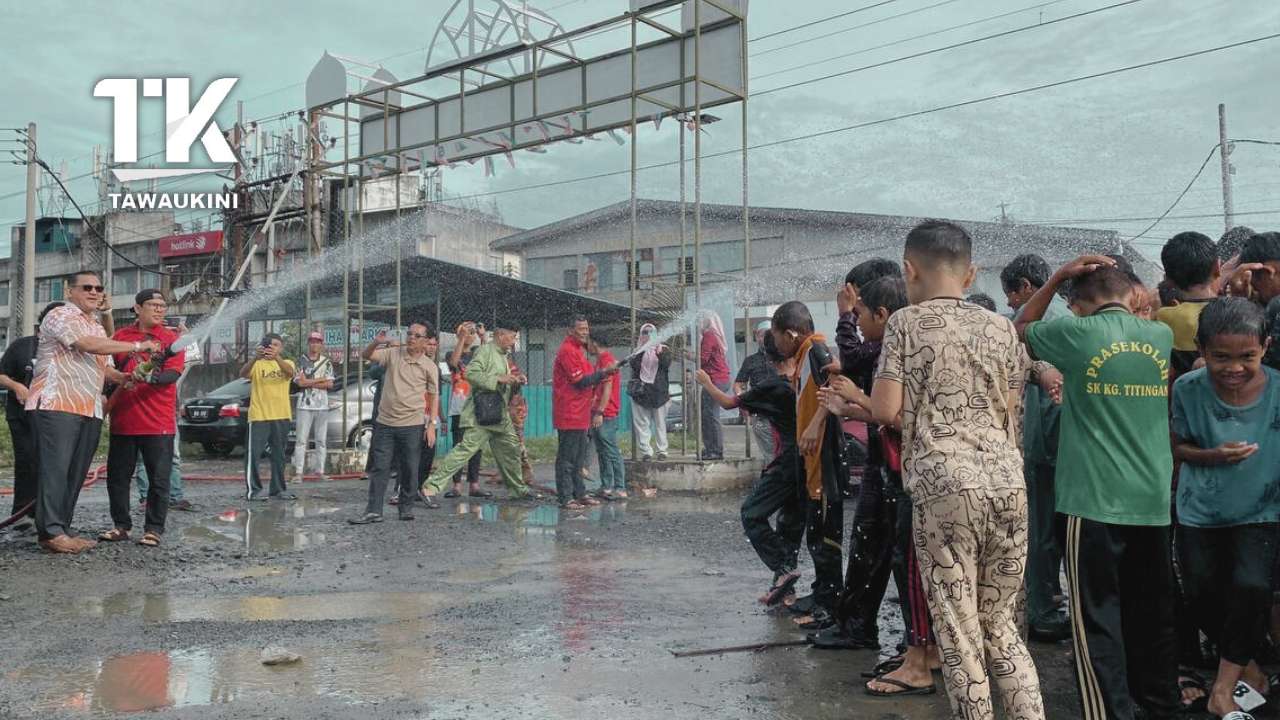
{"points": [[571, 407], [146, 409], [614, 407]]}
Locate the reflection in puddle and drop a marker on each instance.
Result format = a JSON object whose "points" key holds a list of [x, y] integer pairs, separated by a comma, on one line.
{"points": [[363, 672], [264, 527], [540, 521], [163, 607]]}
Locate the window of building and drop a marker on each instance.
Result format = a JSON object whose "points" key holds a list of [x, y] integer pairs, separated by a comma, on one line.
{"points": [[722, 257], [4, 294], [669, 263], [570, 280], [549, 271], [49, 289], [609, 270], [148, 279], [124, 282]]}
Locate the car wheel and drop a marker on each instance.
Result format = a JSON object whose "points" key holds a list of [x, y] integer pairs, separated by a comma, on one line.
{"points": [[361, 437], [221, 449]]}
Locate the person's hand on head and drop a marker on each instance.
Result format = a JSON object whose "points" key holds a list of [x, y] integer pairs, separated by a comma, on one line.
{"points": [[1084, 265], [1240, 283], [845, 299]]}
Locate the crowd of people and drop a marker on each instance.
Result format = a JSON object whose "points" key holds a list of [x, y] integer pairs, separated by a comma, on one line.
{"points": [[1124, 431]]}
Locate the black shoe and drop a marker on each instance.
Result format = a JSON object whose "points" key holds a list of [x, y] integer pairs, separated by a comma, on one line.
{"points": [[184, 505], [405, 513], [821, 619], [835, 638], [480, 494], [1052, 631], [453, 494], [365, 519], [260, 496]]}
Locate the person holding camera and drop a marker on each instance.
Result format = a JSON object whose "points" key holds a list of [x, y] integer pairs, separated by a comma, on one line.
{"points": [[270, 415]]}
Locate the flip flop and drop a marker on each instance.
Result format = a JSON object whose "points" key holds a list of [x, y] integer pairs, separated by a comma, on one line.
{"points": [[1200, 705], [884, 667], [781, 586], [906, 689], [150, 539], [114, 535]]}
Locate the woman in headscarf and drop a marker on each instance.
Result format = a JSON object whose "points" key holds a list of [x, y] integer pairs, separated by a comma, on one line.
{"points": [[650, 366], [712, 356]]}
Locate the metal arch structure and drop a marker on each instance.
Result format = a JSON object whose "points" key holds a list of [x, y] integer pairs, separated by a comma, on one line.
{"points": [[480, 31], [463, 110]]}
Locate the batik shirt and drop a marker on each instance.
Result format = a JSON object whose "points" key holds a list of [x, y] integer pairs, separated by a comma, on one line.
{"points": [[66, 379]]}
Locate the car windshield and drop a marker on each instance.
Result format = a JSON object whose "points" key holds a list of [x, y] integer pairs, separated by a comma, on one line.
{"points": [[236, 388]]}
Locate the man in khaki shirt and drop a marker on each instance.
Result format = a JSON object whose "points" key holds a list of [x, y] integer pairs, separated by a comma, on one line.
{"points": [[407, 415]]}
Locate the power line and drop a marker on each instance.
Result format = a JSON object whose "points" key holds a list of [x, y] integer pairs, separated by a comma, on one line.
{"points": [[921, 36], [852, 28], [894, 118], [973, 41], [1099, 221], [821, 20], [1213, 150]]}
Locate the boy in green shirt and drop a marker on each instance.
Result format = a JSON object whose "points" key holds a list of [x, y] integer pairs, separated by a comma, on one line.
{"points": [[1112, 482]]}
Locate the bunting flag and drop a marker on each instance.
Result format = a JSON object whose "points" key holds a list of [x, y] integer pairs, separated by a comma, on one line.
{"points": [[501, 142], [441, 158], [657, 121], [537, 149], [511, 159], [542, 128], [461, 146], [627, 128], [488, 166], [617, 138], [592, 136]]}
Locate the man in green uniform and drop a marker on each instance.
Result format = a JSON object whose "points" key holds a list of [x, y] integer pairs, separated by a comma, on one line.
{"points": [[488, 372]]}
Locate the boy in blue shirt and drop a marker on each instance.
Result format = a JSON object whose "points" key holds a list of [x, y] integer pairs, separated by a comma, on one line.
{"points": [[1225, 418]]}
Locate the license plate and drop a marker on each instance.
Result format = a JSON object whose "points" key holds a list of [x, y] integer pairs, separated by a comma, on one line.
{"points": [[199, 413]]}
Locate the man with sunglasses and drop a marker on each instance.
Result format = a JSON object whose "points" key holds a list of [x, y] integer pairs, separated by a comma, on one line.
{"points": [[72, 362], [407, 413], [143, 420]]}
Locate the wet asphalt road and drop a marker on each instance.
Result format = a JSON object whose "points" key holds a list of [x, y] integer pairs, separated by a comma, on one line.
{"points": [[488, 610]]}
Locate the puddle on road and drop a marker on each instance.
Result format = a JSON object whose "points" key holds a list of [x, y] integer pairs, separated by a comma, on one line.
{"points": [[359, 673], [265, 527], [165, 608], [540, 521]]}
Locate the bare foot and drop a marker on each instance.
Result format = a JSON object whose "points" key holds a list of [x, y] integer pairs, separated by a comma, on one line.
{"points": [[1191, 692], [1221, 703]]}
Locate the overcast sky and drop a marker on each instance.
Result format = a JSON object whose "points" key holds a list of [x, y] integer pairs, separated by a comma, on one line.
{"points": [[1091, 153]]}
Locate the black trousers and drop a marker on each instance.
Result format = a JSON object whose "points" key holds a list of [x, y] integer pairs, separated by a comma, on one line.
{"points": [[264, 436], [1228, 578], [122, 461], [775, 492], [24, 462], [913, 600], [824, 531], [1121, 586], [871, 551], [65, 443], [473, 465], [1044, 543], [426, 460], [571, 454], [403, 446]]}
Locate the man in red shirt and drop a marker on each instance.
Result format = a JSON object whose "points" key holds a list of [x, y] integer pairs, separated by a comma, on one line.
{"points": [[571, 400], [143, 420], [604, 424]]}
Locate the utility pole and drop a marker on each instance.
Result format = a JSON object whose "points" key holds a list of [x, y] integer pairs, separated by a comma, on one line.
{"points": [[1224, 153], [29, 238], [1004, 216]]}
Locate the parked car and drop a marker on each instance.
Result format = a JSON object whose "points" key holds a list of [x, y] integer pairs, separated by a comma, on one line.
{"points": [[675, 407], [219, 420]]}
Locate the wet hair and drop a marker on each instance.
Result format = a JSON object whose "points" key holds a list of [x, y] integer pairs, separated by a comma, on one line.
{"points": [[580, 318], [273, 336], [1231, 316], [1126, 267], [1104, 283], [1188, 259], [982, 300], [793, 315], [889, 293], [938, 242], [1232, 241], [770, 349], [47, 309], [1169, 295], [1029, 267], [73, 277], [866, 271], [1260, 248]]}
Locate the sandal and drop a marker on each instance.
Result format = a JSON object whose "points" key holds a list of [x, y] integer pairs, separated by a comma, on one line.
{"points": [[884, 667], [905, 688], [150, 539], [573, 505], [1191, 681], [782, 585], [114, 535]]}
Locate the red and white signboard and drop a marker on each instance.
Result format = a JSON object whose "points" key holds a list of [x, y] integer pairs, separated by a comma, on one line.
{"points": [[201, 243]]}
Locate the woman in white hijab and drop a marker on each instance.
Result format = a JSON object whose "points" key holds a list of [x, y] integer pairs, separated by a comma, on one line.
{"points": [[650, 366]]}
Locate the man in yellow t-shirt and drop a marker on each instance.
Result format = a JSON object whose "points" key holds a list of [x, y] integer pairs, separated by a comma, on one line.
{"points": [[269, 416]]}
